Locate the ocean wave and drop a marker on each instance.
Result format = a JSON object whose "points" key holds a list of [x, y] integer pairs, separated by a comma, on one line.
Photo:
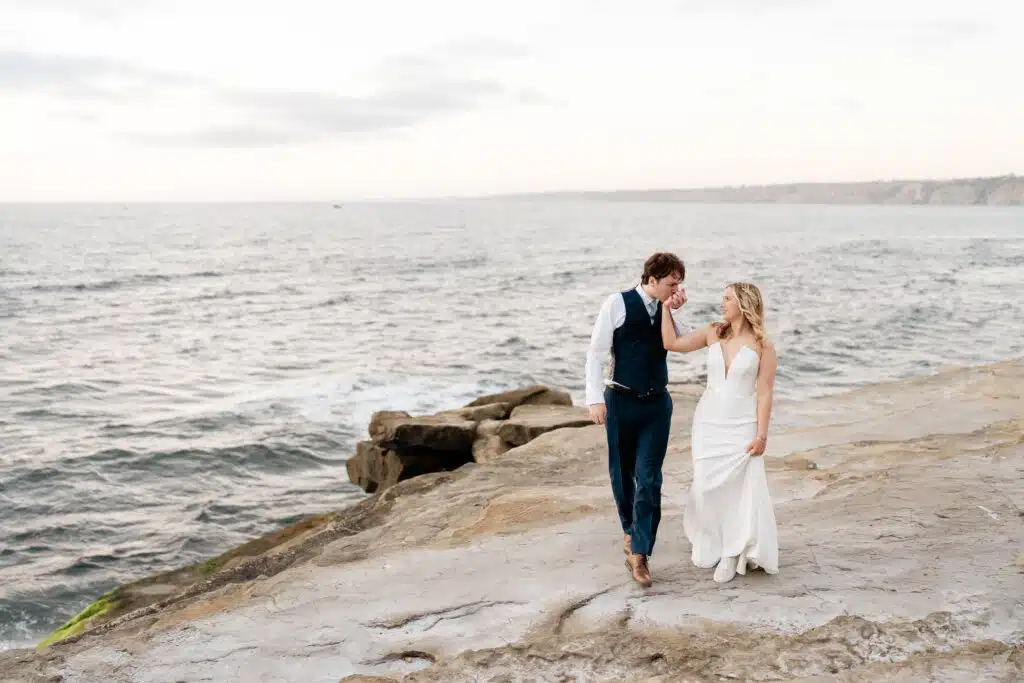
{"points": [[515, 341], [243, 460], [51, 413], [63, 389], [121, 479], [465, 263], [207, 422], [119, 283], [702, 312], [812, 367], [20, 479], [230, 294], [86, 565], [225, 514], [331, 302]]}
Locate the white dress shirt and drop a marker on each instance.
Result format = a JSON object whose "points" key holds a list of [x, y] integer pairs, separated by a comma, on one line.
{"points": [[611, 317]]}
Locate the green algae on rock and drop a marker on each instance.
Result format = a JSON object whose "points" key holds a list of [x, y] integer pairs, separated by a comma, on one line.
{"points": [[80, 621], [147, 591]]}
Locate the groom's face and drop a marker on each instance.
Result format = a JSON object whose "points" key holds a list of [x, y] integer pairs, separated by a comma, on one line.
{"points": [[666, 286]]}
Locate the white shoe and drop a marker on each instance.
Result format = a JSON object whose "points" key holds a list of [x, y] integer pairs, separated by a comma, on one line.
{"points": [[726, 570]]}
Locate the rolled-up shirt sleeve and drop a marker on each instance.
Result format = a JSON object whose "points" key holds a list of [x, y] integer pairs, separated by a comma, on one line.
{"points": [[599, 351]]}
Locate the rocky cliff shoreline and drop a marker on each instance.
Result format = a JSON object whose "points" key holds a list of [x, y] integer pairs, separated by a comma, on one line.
{"points": [[901, 532], [401, 447], [1005, 190]]}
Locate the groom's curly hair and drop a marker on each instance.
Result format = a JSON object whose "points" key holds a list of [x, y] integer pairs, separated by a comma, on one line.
{"points": [[662, 264]]}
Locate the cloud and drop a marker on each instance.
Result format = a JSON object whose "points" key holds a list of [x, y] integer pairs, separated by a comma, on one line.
{"points": [[747, 6], [77, 77], [95, 9], [453, 57], [482, 48], [409, 90], [754, 96], [530, 96], [223, 137], [290, 117], [835, 18], [940, 32], [908, 36]]}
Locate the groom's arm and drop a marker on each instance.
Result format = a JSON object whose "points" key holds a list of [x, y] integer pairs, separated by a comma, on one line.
{"points": [[611, 315]]}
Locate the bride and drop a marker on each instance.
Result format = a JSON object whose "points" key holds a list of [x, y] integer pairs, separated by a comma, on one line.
{"points": [[729, 517]]}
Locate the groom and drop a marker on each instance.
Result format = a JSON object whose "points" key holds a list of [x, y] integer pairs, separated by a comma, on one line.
{"points": [[634, 404]]}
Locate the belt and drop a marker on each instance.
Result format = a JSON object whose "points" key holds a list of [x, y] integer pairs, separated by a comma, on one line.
{"points": [[622, 388]]}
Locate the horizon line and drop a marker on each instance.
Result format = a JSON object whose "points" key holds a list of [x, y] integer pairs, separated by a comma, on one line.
{"points": [[529, 193]]}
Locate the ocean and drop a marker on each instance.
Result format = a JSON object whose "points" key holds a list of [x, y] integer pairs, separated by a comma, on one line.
{"points": [[177, 379]]}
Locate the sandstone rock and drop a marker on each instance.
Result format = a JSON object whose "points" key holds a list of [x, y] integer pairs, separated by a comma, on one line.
{"points": [[438, 432], [490, 411], [488, 428], [381, 418], [538, 394], [487, 448], [488, 444], [402, 465], [374, 468], [527, 422], [404, 446], [366, 468]]}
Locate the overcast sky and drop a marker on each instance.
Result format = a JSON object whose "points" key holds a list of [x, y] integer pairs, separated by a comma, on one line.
{"points": [[309, 99]]}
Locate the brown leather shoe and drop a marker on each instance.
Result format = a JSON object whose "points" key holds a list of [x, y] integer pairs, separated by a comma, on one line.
{"points": [[626, 547], [638, 568]]}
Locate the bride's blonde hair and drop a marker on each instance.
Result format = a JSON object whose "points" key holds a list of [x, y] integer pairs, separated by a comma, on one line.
{"points": [[751, 307]]}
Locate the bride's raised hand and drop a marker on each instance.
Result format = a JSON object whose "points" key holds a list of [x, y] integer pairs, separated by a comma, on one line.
{"points": [[676, 300]]}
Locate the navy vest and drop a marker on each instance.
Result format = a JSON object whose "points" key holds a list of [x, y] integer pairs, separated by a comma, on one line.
{"points": [[640, 355]]}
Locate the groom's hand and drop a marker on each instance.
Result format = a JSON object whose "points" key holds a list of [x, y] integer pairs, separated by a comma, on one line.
{"points": [[598, 413]]}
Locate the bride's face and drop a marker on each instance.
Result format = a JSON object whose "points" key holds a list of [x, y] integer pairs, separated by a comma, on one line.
{"points": [[730, 306]]}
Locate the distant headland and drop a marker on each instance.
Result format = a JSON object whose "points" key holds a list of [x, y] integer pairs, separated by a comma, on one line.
{"points": [[1007, 190]]}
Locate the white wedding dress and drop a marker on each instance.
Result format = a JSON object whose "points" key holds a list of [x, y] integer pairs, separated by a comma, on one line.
{"points": [[729, 515]]}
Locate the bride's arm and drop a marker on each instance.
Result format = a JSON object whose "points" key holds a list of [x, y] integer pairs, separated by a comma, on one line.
{"points": [[765, 389], [691, 341]]}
